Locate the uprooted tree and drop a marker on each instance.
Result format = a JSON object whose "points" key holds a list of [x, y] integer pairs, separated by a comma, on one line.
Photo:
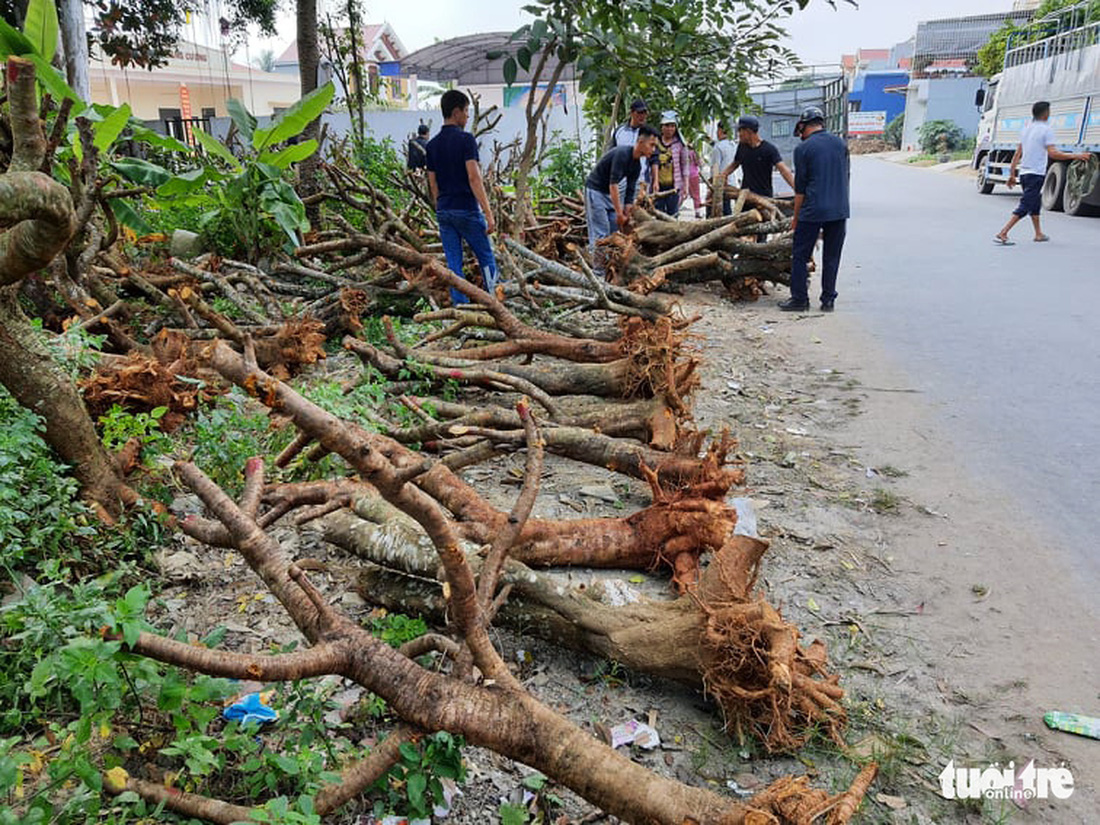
{"points": [[475, 694], [40, 214]]}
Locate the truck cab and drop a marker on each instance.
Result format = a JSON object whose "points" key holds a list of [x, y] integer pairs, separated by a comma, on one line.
{"points": [[986, 102]]}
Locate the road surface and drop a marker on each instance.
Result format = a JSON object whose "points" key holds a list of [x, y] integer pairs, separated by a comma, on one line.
{"points": [[1004, 340]]}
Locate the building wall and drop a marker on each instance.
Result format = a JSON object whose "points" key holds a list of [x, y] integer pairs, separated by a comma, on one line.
{"points": [[940, 99], [874, 97]]}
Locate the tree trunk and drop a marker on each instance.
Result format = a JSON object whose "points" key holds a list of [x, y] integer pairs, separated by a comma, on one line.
{"points": [[74, 38], [33, 378], [682, 640], [309, 59], [39, 212]]}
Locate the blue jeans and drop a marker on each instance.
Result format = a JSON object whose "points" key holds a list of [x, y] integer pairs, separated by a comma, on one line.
{"points": [[456, 226], [805, 236], [599, 214]]}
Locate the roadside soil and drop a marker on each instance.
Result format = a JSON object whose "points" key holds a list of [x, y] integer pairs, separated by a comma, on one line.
{"points": [[880, 545]]}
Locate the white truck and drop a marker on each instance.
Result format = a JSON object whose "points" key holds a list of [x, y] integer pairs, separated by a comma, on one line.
{"points": [[1063, 68]]}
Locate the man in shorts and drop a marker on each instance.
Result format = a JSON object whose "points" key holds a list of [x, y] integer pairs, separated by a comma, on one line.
{"points": [[1035, 148]]}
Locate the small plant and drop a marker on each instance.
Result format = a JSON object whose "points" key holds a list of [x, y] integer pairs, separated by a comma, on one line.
{"points": [[119, 426], [396, 628], [413, 786], [885, 501]]}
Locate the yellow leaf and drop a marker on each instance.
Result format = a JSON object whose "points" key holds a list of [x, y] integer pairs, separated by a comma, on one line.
{"points": [[104, 730], [115, 779], [810, 603]]}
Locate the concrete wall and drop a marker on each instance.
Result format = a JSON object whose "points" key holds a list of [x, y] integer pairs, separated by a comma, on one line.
{"points": [[399, 125], [940, 99]]}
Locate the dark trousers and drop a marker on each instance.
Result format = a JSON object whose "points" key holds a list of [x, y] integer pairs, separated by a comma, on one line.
{"points": [[669, 204], [805, 236]]}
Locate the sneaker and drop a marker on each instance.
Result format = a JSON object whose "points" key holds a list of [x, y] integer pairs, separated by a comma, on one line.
{"points": [[826, 306], [791, 305]]}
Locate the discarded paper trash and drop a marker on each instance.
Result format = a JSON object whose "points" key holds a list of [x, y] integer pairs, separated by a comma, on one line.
{"points": [[251, 709], [1073, 723], [633, 733]]}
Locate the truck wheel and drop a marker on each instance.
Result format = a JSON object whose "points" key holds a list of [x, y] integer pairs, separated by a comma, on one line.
{"points": [[1054, 187], [984, 186], [1081, 182]]}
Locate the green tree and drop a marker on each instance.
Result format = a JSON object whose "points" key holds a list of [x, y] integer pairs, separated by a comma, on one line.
{"points": [[991, 56], [695, 56], [894, 130]]}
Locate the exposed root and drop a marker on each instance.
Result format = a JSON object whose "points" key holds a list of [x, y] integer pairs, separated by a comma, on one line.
{"points": [[765, 683]]}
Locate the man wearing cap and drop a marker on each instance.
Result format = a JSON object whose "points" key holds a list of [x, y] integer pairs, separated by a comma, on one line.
{"points": [[605, 208], [756, 158], [821, 166], [417, 149], [627, 135]]}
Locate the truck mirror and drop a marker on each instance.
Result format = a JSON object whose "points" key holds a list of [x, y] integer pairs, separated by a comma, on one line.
{"points": [[979, 98]]}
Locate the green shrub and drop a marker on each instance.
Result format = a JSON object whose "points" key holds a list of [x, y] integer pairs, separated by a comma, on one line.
{"points": [[936, 135], [894, 130]]}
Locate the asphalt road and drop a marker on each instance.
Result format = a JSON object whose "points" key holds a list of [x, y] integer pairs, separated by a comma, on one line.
{"points": [[1005, 342]]}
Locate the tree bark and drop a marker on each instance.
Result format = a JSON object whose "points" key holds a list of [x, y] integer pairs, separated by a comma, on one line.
{"points": [[39, 212], [309, 59], [74, 39]]}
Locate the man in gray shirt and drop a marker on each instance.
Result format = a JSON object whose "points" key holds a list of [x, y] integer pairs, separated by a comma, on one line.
{"points": [[721, 158], [627, 135]]}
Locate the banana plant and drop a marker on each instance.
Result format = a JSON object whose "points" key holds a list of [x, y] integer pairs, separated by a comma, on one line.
{"points": [[251, 188], [38, 43]]}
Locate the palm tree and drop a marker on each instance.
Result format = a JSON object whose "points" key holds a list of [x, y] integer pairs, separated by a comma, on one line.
{"points": [[265, 61]]}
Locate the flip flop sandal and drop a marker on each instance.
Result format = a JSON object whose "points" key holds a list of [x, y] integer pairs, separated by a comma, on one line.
{"points": [[1042, 239], [1003, 241]]}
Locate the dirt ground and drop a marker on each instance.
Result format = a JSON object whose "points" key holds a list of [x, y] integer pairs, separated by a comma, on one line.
{"points": [[879, 545]]}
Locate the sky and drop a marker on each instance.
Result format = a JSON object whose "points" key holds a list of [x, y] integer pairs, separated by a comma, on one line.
{"points": [[819, 34]]}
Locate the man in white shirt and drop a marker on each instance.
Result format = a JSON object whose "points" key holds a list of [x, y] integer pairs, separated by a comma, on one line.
{"points": [[1036, 147], [627, 135], [721, 158]]}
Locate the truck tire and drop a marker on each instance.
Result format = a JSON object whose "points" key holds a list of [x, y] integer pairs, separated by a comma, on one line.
{"points": [[984, 186], [1081, 182], [1054, 187]]}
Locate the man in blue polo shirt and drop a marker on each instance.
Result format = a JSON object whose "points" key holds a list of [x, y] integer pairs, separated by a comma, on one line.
{"points": [[454, 178], [821, 172]]}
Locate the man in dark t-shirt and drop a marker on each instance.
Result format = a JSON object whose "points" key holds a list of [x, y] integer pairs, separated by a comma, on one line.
{"points": [[417, 149], [605, 208], [454, 179], [756, 158]]}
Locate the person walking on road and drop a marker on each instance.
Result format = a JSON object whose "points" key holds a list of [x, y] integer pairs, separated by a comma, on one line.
{"points": [[821, 173], [605, 208], [457, 190], [1035, 149]]}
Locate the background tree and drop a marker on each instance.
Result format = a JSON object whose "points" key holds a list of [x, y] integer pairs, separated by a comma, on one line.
{"points": [[991, 56], [694, 56], [894, 130], [265, 61]]}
